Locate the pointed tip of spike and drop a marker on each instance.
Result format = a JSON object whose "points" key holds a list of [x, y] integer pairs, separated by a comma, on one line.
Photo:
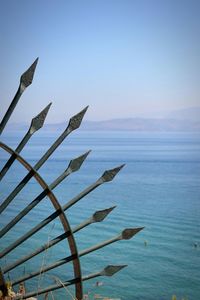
{"points": [[86, 108], [76, 163], [38, 121], [110, 270], [110, 174], [34, 64], [100, 215], [76, 120], [27, 77], [128, 233], [49, 105]]}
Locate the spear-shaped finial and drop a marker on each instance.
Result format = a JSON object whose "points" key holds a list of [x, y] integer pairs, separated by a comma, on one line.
{"points": [[128, 233], [76, 120], [36, 124], [110, 174], [110, 270], [125, 235], [38, 121], [100, 215], [27, 77], [73, 166], [25, 80], [42, 160], [76, 163]]}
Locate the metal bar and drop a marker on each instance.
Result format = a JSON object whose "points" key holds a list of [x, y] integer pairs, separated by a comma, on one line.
{"points": [[36, 124], [108, 271], [74, 123], [25, 80], [125, 235], [98, 216], [62, 217], [73, 166], [107, 176]]}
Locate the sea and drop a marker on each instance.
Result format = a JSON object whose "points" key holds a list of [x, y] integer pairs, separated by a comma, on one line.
{"points": [[158, 189]]}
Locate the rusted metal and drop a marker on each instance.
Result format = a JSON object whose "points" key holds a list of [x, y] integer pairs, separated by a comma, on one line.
{"points": [[36, 124], [25, 80]]}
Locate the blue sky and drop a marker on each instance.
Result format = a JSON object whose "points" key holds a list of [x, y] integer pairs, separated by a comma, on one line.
{"points": [[122, 58]]}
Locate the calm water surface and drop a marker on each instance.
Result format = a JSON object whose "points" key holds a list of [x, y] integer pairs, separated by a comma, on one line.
{"points": [[159, 188]]}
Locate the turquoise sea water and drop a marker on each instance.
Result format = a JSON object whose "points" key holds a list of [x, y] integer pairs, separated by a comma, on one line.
{"points": [[159, 188]]}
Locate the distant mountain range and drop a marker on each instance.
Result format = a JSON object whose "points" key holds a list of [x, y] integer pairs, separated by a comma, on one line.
{"points": [[192, 113], [131, 124], [143, 124], [180, 120]]}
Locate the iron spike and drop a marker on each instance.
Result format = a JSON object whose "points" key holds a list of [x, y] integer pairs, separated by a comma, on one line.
{"points": [[128, 233], [76, 163], [110, 174], [38, 121], [27, 77], [62, 261], [60, 139], [100, 215], [36, 124], [25, 80], [107, 176], [110, 270], [76, 120], [42, 160]]}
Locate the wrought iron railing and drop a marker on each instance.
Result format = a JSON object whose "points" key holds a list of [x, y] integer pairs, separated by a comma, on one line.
{"points": [[47, 190]]}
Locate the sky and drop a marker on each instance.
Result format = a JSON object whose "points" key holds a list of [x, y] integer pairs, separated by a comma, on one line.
{"points": [[123, 58]]}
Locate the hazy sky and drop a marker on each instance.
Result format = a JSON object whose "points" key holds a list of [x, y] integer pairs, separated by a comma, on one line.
{"points": [[123, 58]]}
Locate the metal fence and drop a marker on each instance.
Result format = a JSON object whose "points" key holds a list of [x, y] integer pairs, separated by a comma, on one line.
{"points": [[59, 211]]}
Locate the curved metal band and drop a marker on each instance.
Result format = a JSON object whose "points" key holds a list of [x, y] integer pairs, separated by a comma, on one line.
{"points": [[63, 219]]}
